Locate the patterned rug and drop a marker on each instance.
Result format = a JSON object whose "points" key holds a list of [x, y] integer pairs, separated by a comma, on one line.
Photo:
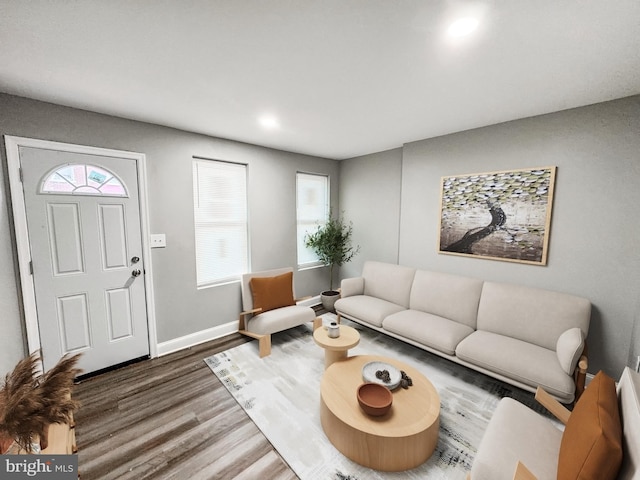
{"points": [[281, 394]]}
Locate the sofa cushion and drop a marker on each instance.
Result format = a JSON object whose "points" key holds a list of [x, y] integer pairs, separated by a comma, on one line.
{"points": [[389, 282], [531, 314], [517, 361], [270, 293], [450, 296], [569, 348], [368, 309], [507, 440], [591, 446], [430, 330], [629, 403]]}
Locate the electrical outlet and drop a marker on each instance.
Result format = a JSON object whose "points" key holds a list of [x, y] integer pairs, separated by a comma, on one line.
{"points": [[158, 240]]}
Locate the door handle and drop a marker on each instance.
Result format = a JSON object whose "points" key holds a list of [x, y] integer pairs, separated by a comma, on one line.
{"points": [[136, 273]]}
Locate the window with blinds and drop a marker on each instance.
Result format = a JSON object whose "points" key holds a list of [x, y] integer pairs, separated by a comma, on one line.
{"points": [[312, 207], [221, 221]]}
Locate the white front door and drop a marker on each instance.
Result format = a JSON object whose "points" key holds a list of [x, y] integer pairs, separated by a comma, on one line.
{"points": [[84, 229]]}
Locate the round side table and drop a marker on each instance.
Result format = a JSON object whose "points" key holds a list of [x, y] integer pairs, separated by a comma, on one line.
{"points": [[336, 348]]}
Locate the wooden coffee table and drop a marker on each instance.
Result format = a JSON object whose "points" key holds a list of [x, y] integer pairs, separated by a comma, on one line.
{"points": [[402, 439], [336, 348]]}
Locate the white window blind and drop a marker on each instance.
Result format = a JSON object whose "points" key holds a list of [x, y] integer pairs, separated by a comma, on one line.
{"points": [[312, 207], [220, 207]]}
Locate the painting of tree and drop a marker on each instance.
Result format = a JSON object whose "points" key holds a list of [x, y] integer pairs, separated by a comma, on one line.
{"points": [[503, 215]]}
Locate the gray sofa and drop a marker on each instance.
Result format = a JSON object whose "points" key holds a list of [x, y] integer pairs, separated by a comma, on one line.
{"points": [[524, 336]]}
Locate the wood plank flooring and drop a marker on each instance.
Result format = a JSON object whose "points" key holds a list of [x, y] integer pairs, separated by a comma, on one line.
{"points": [[170, 418]]}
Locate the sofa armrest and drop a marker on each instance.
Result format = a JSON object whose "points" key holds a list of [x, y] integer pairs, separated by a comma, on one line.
{"points": [[352, 286], [555, 407]]}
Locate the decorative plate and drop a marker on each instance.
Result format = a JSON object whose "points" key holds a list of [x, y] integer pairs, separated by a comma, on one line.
{"points": [[369, 374]]}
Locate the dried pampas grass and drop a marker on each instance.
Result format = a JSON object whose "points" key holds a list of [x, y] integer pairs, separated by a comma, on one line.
{"points": [[30, 402]]}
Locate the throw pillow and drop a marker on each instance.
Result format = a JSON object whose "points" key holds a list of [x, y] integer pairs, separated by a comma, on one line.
{"points": [[591, 445], [569, 348], [270, 293]]}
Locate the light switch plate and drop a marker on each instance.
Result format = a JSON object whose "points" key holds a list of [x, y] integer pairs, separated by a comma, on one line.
{"points": [[158, 240]]}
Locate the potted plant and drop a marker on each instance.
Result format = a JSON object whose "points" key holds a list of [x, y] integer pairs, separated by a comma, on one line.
{"points": [[331, 242], [30, 401]]}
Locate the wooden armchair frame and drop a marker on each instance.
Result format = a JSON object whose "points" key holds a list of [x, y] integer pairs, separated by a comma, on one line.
{"points": [[264, 341]]}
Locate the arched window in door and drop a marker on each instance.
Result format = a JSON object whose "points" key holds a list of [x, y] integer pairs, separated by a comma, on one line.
{"points": [[82, 179]]}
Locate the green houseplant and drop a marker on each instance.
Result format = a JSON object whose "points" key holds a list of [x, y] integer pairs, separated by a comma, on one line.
{"points": [[331, 242]]}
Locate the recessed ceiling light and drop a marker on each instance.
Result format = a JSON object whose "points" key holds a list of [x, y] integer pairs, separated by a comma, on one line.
{"points": [[462, 26], [269, 122]]}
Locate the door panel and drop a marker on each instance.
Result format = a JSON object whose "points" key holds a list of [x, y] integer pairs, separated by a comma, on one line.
{"points": [[113, 236], [73, 315], [119, 313], [82, 246], [64, 238]]}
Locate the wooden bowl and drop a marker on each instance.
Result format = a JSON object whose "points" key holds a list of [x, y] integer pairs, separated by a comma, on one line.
{"points": [[374, 399]]}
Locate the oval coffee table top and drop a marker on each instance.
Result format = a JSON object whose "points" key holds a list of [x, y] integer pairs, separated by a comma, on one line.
{"points": [[413, 411], [349, 338]]}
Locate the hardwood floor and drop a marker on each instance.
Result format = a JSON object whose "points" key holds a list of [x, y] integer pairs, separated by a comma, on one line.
{"points": [[170, 418]]}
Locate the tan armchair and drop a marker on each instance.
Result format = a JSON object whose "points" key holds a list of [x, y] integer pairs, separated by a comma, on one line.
{"points": [[269, 306], [600, 439]]}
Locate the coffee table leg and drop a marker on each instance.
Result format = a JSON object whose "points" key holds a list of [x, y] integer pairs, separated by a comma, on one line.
{"points": [[331, 356]]}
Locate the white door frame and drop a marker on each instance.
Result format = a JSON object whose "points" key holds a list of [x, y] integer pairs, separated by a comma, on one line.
{"points": [[13, 144]]}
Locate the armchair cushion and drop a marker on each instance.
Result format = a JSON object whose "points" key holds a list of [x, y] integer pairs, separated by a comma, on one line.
{"points": [[591, 446], [517, 433], [569, 348], [270, 293]]}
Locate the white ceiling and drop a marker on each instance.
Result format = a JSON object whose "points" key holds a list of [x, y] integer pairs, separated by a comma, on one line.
{"points": [[344, 77]]}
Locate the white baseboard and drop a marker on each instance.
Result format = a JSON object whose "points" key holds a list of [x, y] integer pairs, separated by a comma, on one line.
{"points": [[202, 336], [197, 338]]}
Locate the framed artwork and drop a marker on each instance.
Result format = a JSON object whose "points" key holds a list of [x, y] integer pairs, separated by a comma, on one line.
{"points": [[502, 215]]}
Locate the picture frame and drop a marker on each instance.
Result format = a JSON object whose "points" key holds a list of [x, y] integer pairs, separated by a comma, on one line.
{"points": [[502, 215]]}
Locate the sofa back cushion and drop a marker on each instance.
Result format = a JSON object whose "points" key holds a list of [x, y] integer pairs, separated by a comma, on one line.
{"points": [[591, 446], [531, 314], [388, 282], [629, 403], [450, 296]]}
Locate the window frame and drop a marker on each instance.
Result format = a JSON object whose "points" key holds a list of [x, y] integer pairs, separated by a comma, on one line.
{"points": [[202, 256], [311, 224]]}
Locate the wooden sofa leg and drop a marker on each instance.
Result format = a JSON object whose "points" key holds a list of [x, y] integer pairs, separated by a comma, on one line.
{"points": [[580, 376], [338, 318], [264, 343]]}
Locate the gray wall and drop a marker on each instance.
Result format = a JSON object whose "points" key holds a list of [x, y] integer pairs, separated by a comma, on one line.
{"points": [[370, 197], [181, 308], [595, 228]]}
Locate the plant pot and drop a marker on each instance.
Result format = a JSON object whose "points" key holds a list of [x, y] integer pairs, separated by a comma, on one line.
{"points": [[328, 298]]}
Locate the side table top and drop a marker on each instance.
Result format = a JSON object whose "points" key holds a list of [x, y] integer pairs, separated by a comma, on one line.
{"points": [[349, 338], [413, 411]]}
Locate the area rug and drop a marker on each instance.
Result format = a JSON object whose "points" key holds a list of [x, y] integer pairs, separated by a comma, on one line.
{"points": [[281, 394]]}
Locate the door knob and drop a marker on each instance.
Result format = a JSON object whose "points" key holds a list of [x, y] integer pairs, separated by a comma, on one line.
{"points": [[136, 273], [135, 259]]}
